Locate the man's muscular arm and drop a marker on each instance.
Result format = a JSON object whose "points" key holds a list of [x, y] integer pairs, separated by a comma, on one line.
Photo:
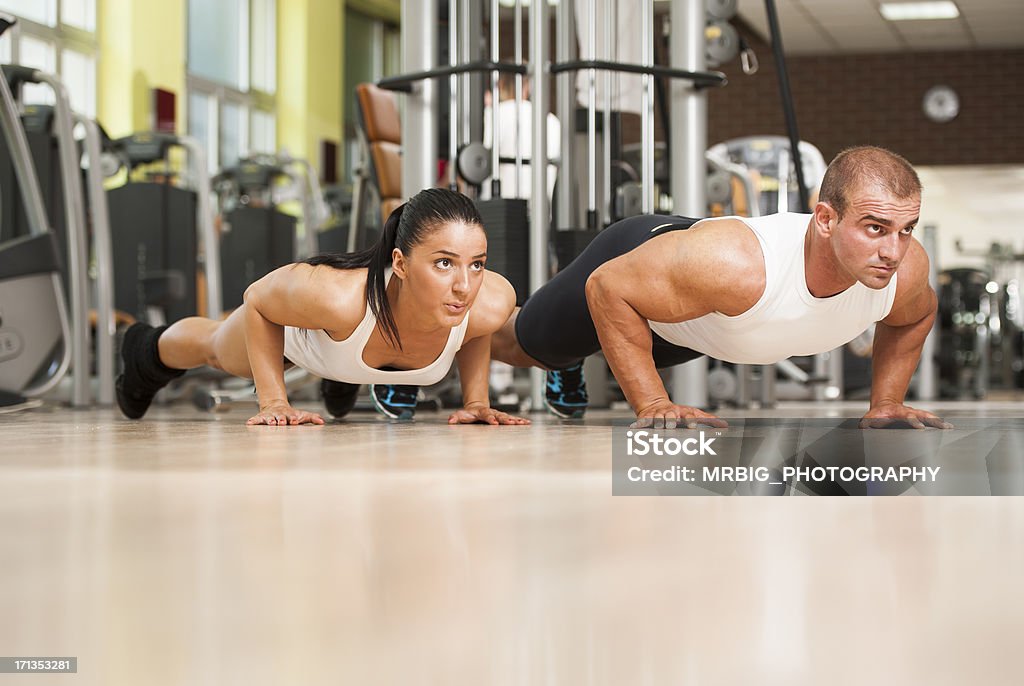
{"points": [[897, 346], [714, 266]]}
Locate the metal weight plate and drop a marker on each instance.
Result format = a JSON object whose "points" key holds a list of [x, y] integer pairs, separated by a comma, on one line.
{"points": [[722, 384], [475, 163], [719, 187], [721, 42], [721, 9]]}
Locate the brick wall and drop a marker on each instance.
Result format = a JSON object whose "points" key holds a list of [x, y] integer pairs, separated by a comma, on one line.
{"points": [[876, 99], [867, 99]]}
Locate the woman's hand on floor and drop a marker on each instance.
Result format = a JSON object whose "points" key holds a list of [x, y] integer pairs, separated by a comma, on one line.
{"points": [[481, 414], [283, 414]]}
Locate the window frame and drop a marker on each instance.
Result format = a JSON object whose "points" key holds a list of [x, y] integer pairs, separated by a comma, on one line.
{"points": [[221, 94], [61, 37]]}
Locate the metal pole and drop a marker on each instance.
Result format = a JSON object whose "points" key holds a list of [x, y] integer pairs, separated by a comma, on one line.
{"points": [[453, 99], [78, 251], [519, 94], [471, 90], [495, 120], [204, 225], [606, 129], [419, 118], [106, 326], [564, 49], [927, 374], [314, 219], [647, 106], [592, 120], [689, 141], [539, 214]]}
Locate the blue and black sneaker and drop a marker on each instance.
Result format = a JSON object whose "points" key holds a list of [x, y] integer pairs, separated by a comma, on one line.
{"points": [[565, 393], [394, 401]]}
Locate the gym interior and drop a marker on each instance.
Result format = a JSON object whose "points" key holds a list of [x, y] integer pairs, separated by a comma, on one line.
{"points": [[157, 158]]}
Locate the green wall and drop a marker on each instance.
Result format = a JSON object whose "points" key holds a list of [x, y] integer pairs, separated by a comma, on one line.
{"points": [[142, 46]]}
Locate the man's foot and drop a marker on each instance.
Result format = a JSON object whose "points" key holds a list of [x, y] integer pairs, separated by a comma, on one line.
{"points": [[144, 374], [565, 393], [396, 402], [339, 398]]}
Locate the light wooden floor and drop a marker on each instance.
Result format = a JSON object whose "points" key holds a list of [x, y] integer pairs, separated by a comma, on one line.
{"points": [[191, 549]]}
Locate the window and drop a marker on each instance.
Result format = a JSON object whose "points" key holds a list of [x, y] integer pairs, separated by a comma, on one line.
{"points": [[217, 32], [79, 72], [66, 47], [232, 77], [263, 132], [264, 46], [234, 132], [202, 117], [40, 11], [41, 55], [79, 13]]}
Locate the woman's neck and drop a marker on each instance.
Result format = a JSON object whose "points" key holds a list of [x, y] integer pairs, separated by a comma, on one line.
{"points": [[411, 321]]}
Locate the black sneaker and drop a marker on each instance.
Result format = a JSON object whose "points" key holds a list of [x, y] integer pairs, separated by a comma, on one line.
{"points": [[339, 397], [396, 402], [144, 374], [565, 392]]}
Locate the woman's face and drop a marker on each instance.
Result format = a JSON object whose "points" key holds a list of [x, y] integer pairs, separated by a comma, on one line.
{"points": [[443, 274]]}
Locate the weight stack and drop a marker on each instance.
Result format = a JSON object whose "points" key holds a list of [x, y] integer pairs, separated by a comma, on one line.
{"points": [[335, 239], [261, 239], [507, 222], [570, 243], [153, 232]]}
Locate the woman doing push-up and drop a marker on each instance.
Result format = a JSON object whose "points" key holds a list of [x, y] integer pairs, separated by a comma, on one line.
{"points": [[398, 313]]}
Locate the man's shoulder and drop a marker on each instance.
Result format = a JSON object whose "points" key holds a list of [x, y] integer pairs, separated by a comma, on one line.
{"points": [[914, 269], [723, 260], [725, 244], [914, 298]]}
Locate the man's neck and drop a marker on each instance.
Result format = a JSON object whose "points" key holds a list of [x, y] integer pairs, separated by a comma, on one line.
{"points": [[822, 271]]}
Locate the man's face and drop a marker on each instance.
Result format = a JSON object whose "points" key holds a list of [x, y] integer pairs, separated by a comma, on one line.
{"points": [[874, 233]]}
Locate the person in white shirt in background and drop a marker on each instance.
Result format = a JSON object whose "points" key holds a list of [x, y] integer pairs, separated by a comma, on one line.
{"points": [[508, 114], [501, 376]]}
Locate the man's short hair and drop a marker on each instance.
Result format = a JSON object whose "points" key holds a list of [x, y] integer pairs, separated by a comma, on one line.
{"points": [[865, 164]]}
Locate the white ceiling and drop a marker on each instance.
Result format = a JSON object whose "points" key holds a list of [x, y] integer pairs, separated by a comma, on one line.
{"points": [[852, 26]]}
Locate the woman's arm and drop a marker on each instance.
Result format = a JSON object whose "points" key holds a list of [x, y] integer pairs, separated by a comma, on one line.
{"points": [[494, 304], [296, 295]]}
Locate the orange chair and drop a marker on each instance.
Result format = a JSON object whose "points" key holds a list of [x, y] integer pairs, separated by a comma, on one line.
{"points": [[380, 143]]}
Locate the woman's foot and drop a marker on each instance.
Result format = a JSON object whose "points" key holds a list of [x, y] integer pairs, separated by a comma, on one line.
{"points": [[144, 374]]}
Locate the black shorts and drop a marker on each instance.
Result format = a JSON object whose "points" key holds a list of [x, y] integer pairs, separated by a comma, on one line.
{"points": [[554, 325]]}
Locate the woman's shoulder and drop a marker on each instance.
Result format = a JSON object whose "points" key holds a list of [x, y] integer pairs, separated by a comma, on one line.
{"points": [[493, 306], [340, 295]]}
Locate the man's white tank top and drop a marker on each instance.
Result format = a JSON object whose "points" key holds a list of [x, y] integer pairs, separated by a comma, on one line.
{"points": [[787, 320], [319, 354]]}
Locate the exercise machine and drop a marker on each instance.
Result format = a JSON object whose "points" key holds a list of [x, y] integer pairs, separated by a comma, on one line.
{"points": [[162, 230], [35, 334], [57, 161], [256, 236]]}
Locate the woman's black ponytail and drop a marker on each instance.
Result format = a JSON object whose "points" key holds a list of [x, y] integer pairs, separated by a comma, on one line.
{"points": [[376, 284], [405, 228]]}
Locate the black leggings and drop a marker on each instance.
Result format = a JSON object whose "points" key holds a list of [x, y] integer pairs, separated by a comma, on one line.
{"points": [[554, 325]]}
